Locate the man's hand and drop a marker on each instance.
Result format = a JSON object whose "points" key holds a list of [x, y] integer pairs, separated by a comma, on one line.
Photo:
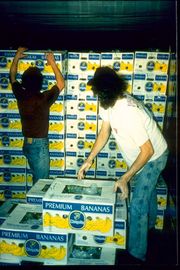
{"points": [[50, 58], [84, 168], [122, 184], [20, 52]]}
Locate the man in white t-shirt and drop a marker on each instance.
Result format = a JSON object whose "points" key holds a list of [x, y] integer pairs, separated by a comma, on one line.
{"points": [[142, 146]]}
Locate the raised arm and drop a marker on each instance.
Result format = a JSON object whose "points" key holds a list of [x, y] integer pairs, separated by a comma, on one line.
{"points": [[59, 77], [13, 69], [101, 140]]}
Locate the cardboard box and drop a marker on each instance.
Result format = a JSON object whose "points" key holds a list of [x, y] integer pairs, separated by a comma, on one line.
{"points": [[79, 206], [6, 208], [37, 191], [118, 240], [84, 255], [22, 236]]}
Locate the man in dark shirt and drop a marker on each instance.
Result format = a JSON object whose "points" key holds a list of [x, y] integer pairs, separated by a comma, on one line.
{"points": [[34, 107]]}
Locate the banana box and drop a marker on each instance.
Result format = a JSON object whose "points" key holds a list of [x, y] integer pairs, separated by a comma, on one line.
{"points": [[121, 62], [155, 103], [22, 236], [83, 62], [12, 158], [38, 59], [12, 175], [74, 162], [81, 127], [37, 191], [150, 83], [57, 160], [80, 145], [77, 85], [6, 58], [56, 124], [91, 255], [56, 142], [11, 140], [5, 85], [82, 107], [5, 209], [118, 240], [171, 107], [110, 165], [159, 225], [171, 87], [10, 121], [173, 64], [8, 102], [12, 191], [85, 206], [154, 62], [162, 193]]}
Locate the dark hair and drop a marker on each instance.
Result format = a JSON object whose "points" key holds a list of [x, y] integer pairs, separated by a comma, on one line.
{"points": [[108, 86], [32, 79]]}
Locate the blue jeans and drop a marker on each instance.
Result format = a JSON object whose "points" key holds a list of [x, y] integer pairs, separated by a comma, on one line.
{"points": [[143, 206], [36, 151]]}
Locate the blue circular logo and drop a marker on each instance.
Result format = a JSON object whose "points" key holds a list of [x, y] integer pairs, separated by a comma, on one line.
{"points": [[4, 83], [7, 176], [80, 162], [99, 239], [45, 84], [82, 87], [80, 144], [116, 66], [112, 164], [5, 140], [40, 64], [5, 122], [3, 61], [83, 66], [150, 66], [7, 159], [149, 86], [8, 194], [76, 220], [4, 102], [32, 247], [112, 145], [81, 126], [81, 106]]}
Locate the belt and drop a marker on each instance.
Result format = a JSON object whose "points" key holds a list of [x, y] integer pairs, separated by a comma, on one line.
{"points": [[29, 140]]}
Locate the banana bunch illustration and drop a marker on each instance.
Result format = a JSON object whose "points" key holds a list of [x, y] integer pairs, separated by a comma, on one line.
{"points": [[56, 126], [158, 108], [16, 124], [12, 248], [16, 143], [87, 126], [159, 223], [56, 145], [52, 252], [56, 107], [160, 67], [121, 164], [118, 239], [23, 65], [92, 66], [12, 105], [48, 68], [126, 66], [2, 198], [57, 163], [159, 87], [14, 178], [56, 221], [161, 202], [99, 224], [19, 195]]}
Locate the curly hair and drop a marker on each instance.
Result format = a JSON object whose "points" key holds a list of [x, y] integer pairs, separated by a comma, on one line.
{"points": [[108, 86], [32, 79]]}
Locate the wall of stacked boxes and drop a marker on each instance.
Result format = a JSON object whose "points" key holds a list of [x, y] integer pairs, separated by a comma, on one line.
{"points": [[51, 221]]}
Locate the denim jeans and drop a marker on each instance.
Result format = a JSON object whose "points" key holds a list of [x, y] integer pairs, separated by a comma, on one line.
{"points": [[143, 206], [37, 154]]}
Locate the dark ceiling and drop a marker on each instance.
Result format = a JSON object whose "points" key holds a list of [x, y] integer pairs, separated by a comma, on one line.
{"points": [[88, 24]]}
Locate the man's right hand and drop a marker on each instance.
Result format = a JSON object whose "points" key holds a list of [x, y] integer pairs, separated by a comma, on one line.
{"points": [[84, 168]]}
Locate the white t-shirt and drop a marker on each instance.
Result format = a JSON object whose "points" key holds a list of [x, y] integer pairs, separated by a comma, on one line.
{"points": [[132, 125]]}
